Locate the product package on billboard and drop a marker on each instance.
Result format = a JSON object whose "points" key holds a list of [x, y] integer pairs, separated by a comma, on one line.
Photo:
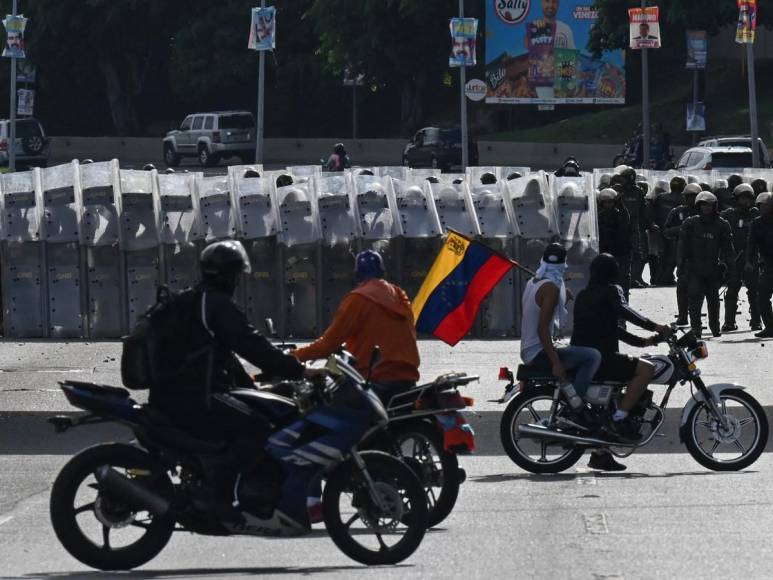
{"points": [[536, 53], [644, 27]]}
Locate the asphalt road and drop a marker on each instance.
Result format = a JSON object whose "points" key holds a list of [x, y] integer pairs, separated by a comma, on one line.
{"points": [[666, 517]]}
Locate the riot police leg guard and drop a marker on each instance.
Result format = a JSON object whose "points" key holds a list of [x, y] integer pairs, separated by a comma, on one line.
{"points": [[682, 300], [696, 294], [731, 305], [764, 295], [751, 282], [712, 285]]}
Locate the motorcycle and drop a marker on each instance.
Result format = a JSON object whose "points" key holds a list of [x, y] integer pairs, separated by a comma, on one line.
{"points": [[114, 506], [427, 431], [661, 159], [723, 427]]}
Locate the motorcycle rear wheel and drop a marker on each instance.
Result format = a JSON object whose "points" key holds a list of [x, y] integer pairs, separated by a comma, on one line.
{"points": [[346, 501], [513, 444], [111, 513], [421, 447]]}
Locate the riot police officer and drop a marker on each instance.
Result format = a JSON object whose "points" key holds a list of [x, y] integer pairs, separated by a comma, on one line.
{"points": [[760, 250], [740, 219], [724, 195], [671, 230], [661, 209], [633, 199], [705, 250], [759, 186], [614, 235]]}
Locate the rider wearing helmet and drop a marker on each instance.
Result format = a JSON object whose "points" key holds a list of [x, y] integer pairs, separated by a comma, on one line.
{"points": [[597, 312], [338, 160], [740, 219], [706, 254], [761, 250]]}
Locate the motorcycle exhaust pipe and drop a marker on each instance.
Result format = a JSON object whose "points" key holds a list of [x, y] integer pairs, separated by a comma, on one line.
{"points": [[543, 433], [131, 491]]}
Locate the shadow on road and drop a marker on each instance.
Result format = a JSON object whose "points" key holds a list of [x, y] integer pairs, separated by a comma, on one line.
{"points": [[561, 477]]}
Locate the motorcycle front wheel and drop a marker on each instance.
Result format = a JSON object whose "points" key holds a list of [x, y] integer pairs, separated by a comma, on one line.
{"points": [[537, 456], [363, 530], [733, 446], [102, 531]]}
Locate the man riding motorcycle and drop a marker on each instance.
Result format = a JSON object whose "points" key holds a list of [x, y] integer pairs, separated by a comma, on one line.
{"points": [[597, 312]]}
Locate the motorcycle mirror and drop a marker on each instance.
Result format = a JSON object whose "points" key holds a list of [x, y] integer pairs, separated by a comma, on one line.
{"points": [[375, 358]]}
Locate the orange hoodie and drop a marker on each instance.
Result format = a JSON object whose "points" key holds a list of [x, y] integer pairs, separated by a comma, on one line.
{"points": [[374, 313]]}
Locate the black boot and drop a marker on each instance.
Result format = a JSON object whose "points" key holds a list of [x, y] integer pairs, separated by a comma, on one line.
{"points": [[604, 461]]}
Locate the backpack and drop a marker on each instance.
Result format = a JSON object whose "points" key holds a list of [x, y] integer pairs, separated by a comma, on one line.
{"points": [[158, 348]]}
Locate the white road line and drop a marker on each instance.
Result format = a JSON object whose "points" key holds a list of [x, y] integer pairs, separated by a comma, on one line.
{"points": [[5, 520]]}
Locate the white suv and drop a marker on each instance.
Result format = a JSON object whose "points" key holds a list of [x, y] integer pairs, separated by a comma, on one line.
{"points": [[708, 158], [212, 137], [738, 141]]}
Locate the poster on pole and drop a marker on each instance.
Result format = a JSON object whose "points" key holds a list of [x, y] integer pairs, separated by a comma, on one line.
{"points": [[645, 27], [25, 102], [464, 32], [747, 22], [14, 36], [536, 54], [263, 29], [696, 117], [697, 49]]}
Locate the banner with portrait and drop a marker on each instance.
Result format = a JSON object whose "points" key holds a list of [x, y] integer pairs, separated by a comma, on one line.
{"points": [[14, 36], [747, 22], [464, 32], [537, 54], [697, 49], [263, 29], [644, 25]]}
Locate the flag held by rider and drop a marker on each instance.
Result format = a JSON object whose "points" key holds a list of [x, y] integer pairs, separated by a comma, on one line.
{"points": [[464, 273]]}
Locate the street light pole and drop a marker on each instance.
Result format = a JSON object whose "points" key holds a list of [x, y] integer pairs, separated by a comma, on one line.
{"points": [[462, 83], [645, 102], [261, 102], [753, 104], [12, 139]]}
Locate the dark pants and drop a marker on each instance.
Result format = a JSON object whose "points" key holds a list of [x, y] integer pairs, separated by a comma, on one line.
{"points": [[764, 295], [749, 280], [624, 278], [668, 263], [682, 297], [638, 256], [700, 286]]}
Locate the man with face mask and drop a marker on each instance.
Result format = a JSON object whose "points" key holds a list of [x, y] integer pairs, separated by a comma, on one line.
{"points": [[671, 229], [740, 219], [760, 251], [706, 251]]}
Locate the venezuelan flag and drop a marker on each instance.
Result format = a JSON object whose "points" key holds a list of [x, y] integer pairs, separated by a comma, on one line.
{"points": [[463, 274]]}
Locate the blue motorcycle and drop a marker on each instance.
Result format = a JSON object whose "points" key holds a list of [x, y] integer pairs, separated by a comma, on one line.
{"points": [[114, 506]]}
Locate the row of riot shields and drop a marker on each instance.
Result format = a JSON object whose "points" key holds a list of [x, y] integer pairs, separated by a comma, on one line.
{"points": [[86, 247]]}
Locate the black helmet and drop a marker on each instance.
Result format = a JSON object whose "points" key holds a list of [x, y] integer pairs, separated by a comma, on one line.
{"points": [[571, 168], [87, 161], [284, 180], [250, 173], [339, 149], [223, 263], [365, 172], [148, 167], [678, 184], [488, 178], [514, 175], [734, 181], [759, 185], [433, 179], [604, 269], [169, 171], [457, 181], [629, 174]]}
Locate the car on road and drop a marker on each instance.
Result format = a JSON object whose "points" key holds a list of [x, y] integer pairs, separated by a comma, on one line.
{"points": [[32, 144], [438, 147], [738, 141], [211, 137], [707, 158]]}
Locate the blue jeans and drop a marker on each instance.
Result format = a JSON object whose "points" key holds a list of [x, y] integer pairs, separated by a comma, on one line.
{"points": [[583, 360]]}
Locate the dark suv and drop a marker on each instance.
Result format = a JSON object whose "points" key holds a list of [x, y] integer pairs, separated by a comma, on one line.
{"points": [[438, 147], [31, 143]]}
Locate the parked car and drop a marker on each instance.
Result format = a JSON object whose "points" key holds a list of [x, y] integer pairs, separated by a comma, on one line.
{"points": [[438, 147], [211, 137], [32, 144], [706, 158], [738, 141]]}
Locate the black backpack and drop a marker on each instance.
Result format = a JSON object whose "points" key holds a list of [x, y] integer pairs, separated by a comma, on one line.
{"points": [[158, 348]]}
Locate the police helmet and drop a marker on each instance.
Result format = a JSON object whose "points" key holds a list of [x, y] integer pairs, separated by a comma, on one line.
{"points": [[251, 173], [744, 189], [692, 189], [607, 194], [433, 179], [764, 197], [719, 184], [678, 184], [87, 161], [706, 197], [759, 185], [734, 181], [169, 171], [222, 264], [284, 180], [514, 175], [605, 180], [365, 172], [488, 178], [148, 167]]}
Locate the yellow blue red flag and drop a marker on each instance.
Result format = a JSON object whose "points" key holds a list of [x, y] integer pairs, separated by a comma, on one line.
{"points": [[464, 273]]}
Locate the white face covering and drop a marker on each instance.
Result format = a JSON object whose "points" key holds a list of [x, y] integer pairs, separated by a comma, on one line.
{"points": [[555, 274]]}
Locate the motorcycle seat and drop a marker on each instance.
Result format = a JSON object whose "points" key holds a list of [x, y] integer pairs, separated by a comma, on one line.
{"points": [[529, 373]]}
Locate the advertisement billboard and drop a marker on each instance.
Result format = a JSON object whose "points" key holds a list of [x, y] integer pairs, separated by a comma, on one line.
{"points": [[536, 53]]}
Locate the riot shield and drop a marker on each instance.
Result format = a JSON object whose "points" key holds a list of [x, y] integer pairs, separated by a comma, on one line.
{"points": [[380, 227], [340, 232], [304, 170], [139, 241], [61, 244], [218, 220], [299, 237], [499, 312], [475, 173], [419, 176], [179, 230], [421, 241], [101, 253], [257, 230], [455, 209], [396, 171], [510, 169], [22, 257]]}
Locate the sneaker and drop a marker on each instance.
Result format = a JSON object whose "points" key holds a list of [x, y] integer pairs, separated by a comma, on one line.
{"points": [[729, 327], [315, 513], [605, 462], [767, 333]]}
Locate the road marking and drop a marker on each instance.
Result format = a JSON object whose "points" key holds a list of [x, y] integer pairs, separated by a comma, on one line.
{"points": [[596, 524], [586, 477], [597, 576], [5, 520]]}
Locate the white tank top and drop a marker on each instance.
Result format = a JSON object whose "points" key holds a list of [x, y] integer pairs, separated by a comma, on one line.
{"points": [[531, 345]]}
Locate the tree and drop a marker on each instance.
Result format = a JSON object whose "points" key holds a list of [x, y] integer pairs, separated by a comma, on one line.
{"points": [[402, 42]]}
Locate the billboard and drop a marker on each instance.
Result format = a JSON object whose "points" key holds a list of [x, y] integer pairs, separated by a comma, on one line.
{"points": [[536, 54]]}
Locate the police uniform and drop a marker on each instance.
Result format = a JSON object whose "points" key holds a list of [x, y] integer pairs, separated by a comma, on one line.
{"points": [[761, 248], [740, 220]]}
